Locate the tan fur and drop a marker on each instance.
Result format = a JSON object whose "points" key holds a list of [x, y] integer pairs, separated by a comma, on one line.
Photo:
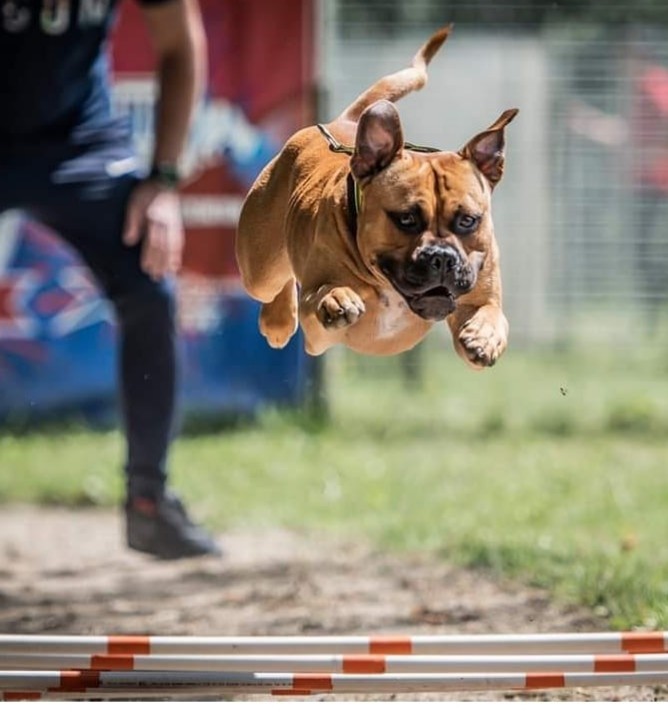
{"points": [[293, 231]]}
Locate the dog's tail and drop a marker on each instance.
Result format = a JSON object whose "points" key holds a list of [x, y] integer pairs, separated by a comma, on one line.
{"points": [[394, 86]]}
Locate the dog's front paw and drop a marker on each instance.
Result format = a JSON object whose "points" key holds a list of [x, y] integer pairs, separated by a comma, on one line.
{"points": [[484, 337], [339, 308]]}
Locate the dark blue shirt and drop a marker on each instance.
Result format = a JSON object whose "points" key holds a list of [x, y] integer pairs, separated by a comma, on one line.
{"points": [[54, 70]]}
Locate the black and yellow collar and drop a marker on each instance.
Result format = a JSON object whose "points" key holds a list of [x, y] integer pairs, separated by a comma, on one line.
{"points": [[354, 194]]}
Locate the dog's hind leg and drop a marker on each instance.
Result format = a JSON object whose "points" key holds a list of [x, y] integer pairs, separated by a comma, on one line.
{"points": [[262, 256], [278, 318]]}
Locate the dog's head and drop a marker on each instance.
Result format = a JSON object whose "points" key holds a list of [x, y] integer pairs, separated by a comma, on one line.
{"points": [[425, 224]]}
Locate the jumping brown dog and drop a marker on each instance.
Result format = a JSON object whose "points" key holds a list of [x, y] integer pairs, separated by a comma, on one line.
{"points": [[371, 250]]}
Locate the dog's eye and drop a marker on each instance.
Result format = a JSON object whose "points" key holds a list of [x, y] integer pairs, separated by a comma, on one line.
{"points": [[464, 224], [410, 221]]}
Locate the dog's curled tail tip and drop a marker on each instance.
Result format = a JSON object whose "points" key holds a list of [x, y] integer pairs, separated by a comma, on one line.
{"points": [[431, 46]]}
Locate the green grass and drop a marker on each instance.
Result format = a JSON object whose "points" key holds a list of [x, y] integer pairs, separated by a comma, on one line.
{"points": [[550, 468]]}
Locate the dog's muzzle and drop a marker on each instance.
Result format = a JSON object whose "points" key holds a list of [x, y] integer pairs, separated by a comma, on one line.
{"points": [[431, 280]]}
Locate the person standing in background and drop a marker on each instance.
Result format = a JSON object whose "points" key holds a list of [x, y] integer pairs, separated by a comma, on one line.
{"points": [[68, 162]]}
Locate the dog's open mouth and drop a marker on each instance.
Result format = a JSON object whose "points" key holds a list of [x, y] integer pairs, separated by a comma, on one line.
{"points": [[436, 292], [433, 305]]}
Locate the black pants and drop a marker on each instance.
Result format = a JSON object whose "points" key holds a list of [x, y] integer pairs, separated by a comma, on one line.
{"points": [[81, 195]]}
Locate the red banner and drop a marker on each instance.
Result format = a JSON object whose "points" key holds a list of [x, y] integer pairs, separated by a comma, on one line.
{"points": [[57, 337], [260, 91]]}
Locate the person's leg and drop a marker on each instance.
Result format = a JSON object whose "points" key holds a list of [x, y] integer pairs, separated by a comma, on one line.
{"points": [[90, 215], [148, 373]]}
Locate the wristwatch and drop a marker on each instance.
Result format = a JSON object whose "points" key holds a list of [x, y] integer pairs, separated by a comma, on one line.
{"points": [[166, 174]]}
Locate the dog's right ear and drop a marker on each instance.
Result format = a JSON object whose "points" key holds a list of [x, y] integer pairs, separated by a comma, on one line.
{"points": [[379, 139]]}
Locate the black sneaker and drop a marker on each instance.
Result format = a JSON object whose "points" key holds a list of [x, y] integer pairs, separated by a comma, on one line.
{"points": [[163, 529]]}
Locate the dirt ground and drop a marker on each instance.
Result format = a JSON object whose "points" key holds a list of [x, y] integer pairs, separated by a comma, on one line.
{"points": [[67, 572]]}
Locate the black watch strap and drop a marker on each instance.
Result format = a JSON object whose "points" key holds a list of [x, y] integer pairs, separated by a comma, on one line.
{"points": [[165, 173]]}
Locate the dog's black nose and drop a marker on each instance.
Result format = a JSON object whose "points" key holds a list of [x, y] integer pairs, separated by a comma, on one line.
{"points": [[440, 259]]}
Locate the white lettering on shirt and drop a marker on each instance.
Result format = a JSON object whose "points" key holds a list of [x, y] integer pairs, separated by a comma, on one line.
{"points": [[55, 16], [92, 12], [14, 17]]}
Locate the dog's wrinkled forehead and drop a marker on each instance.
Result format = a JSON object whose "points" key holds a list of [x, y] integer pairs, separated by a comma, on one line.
{"points": [[440, 181], [458, 179]]}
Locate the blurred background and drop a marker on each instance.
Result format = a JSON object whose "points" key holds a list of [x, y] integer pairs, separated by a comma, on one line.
{"points": [[580, 216], [553, 462]]}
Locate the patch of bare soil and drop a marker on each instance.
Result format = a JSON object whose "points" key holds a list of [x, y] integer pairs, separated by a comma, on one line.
{"points": [[66, 571]]}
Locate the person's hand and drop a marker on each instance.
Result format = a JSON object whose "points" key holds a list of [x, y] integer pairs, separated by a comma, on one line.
{"points": [[154, 216]]}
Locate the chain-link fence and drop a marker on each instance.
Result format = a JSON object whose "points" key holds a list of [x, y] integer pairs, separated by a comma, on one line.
{"points": [[582, 212]]}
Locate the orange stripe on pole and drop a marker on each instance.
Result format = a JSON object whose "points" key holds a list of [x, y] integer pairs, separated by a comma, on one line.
{"points": [[364, 664], [391, 645], [129, 645], [112, 662], [614, 663], [538, 680], [643, 642], [312, 681], [18, 695], [78, 680]]}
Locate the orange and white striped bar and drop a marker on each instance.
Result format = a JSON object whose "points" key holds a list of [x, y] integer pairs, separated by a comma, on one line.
{"points": [[345, 664], [639, 642], [66, 683]]}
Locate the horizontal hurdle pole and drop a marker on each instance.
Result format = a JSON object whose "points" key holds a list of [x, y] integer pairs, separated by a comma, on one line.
{"points": [[347, 664], [118, 694], [96, 683], [551, 643]]}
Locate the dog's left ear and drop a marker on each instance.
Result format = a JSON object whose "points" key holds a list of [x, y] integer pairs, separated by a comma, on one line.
{"points": [[379, 139], [486, 149]]}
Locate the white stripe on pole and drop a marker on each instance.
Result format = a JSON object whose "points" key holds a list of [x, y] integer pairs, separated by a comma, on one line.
{"points": [[86, 645]]}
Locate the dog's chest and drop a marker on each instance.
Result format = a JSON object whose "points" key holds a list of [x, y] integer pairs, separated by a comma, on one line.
{"points": [[393, 316]]}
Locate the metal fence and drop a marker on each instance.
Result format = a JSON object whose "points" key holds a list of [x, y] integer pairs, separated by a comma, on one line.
{"points": [[582, 212]]}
